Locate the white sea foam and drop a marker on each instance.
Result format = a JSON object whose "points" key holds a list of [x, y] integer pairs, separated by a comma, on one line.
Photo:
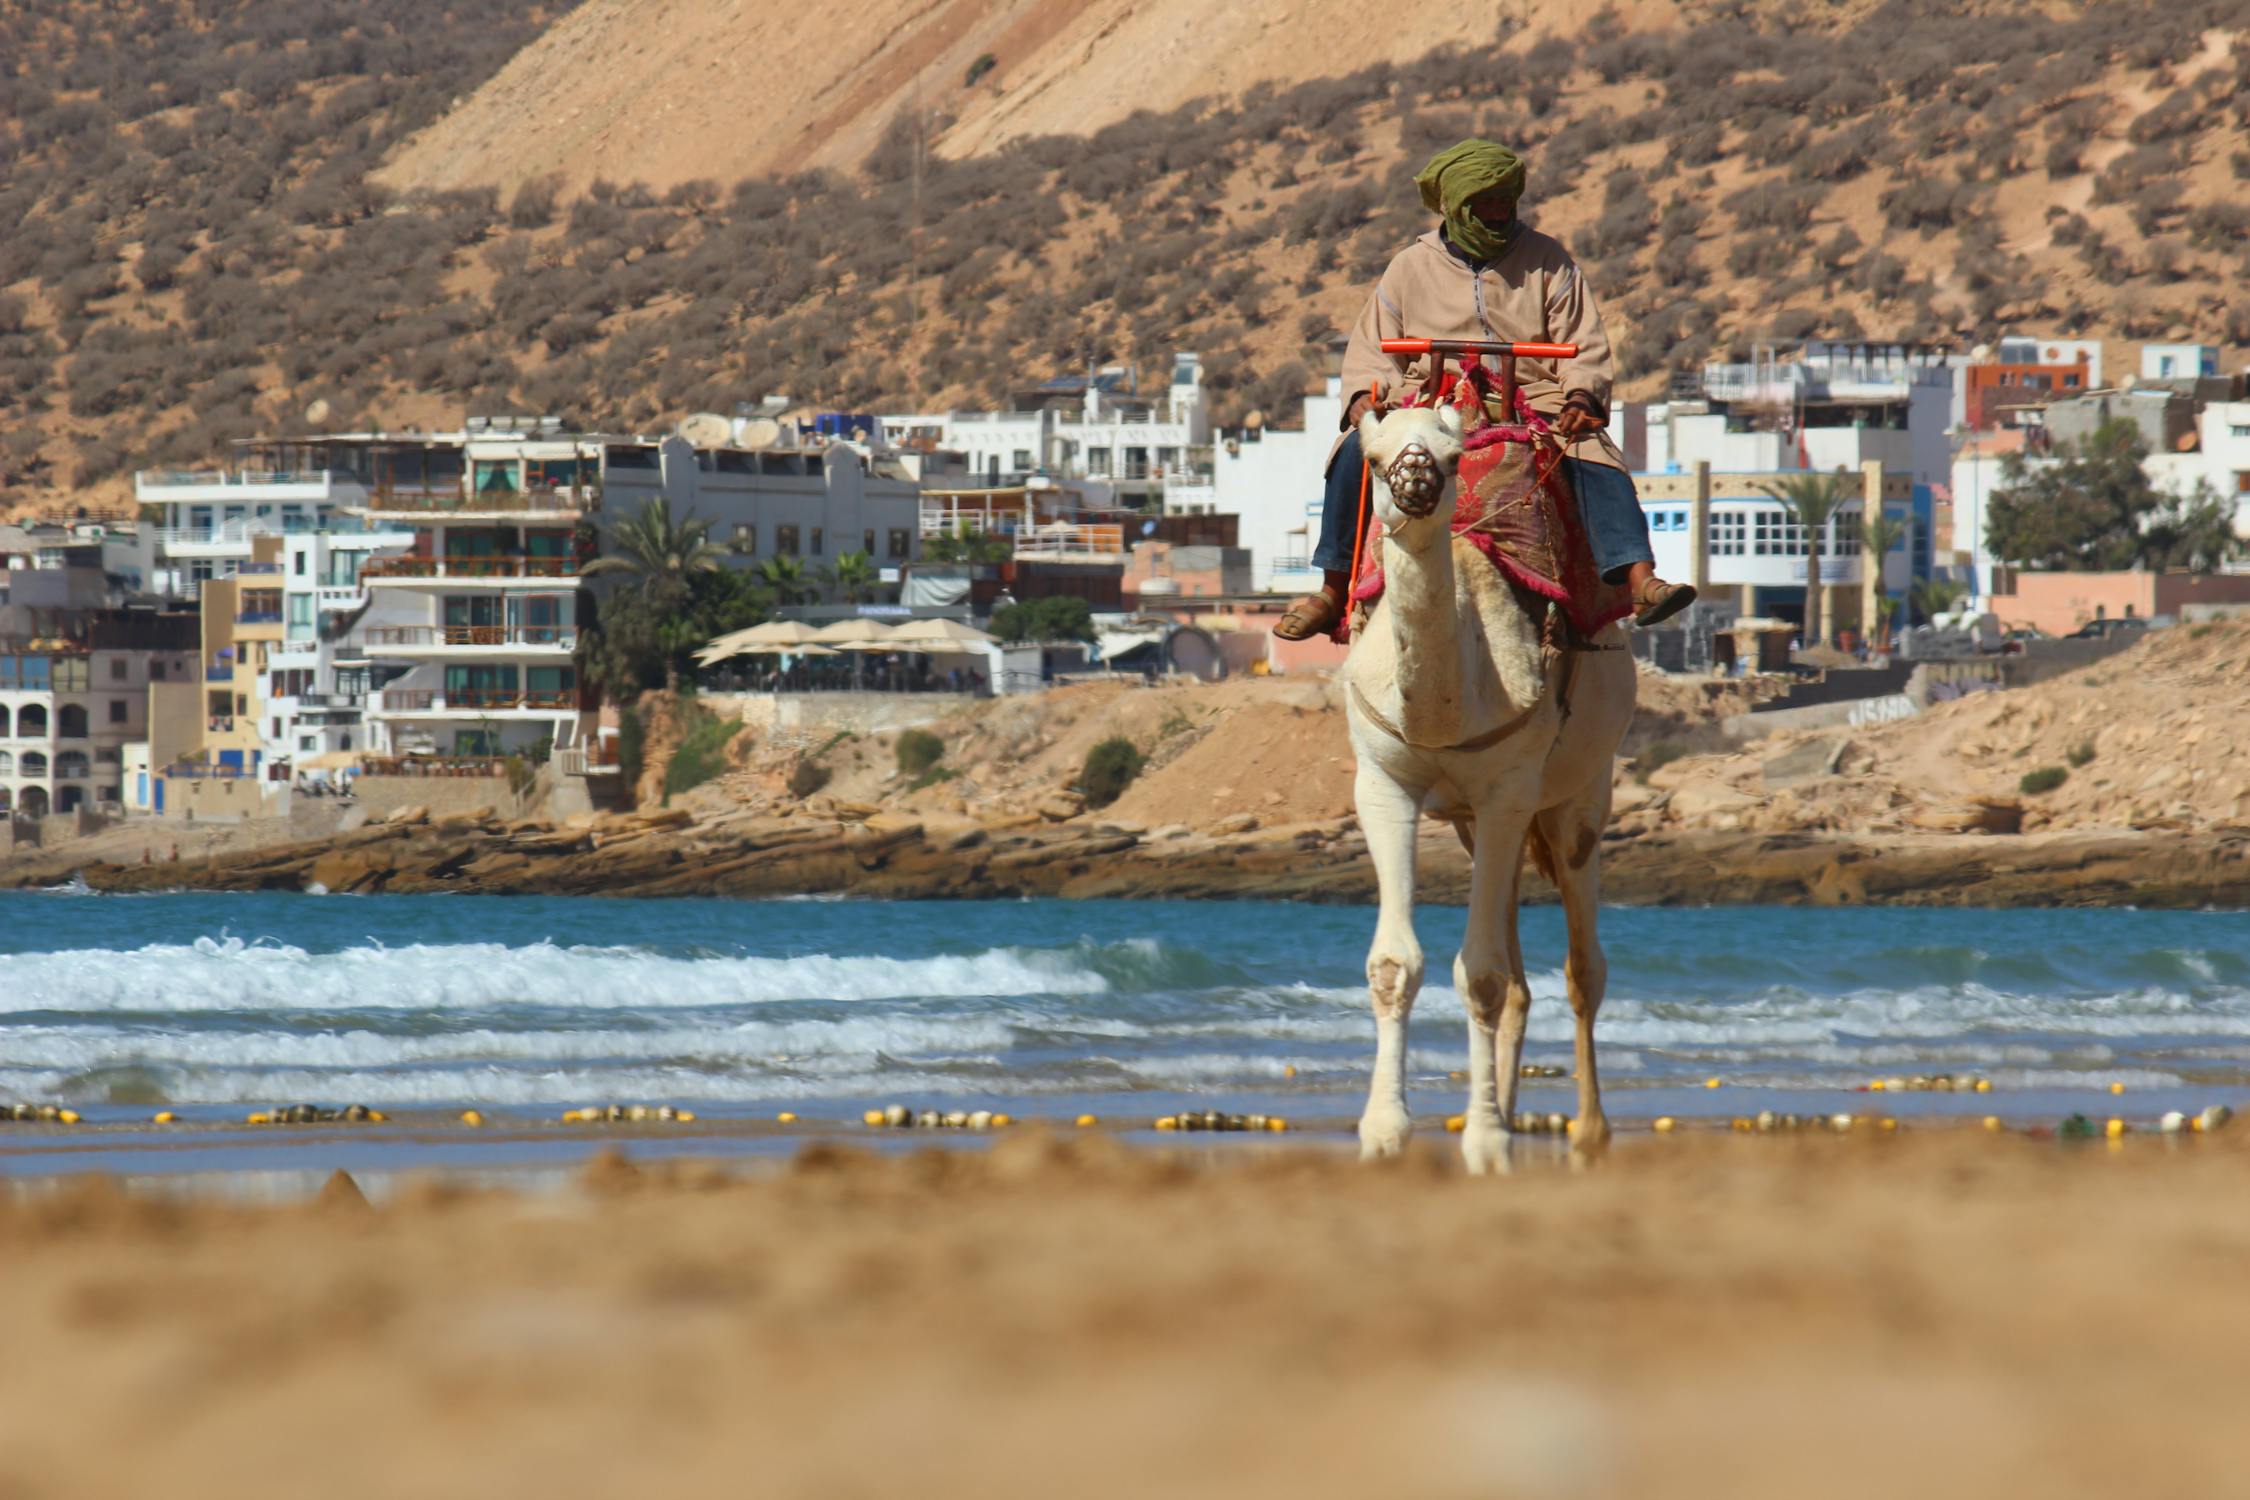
{"points": [[228, 974]]}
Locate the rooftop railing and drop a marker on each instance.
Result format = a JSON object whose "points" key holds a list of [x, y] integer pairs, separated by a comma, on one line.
{"points": [[562, 498], [469, 700], [470, 567], [473, 635], [220, 477]]}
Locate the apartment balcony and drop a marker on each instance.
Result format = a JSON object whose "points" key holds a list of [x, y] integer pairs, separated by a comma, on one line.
{"points": [[468, 703], [232, 538], [1063, 541], [218, 674], [500, 572], [258, 617], [439, 641], [421, 507]]}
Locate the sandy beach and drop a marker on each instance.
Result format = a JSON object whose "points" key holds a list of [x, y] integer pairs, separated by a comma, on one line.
{"points": [[1704, 1314]]}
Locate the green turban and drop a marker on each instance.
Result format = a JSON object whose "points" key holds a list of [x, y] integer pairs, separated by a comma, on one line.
{"points": [[1459, 173]]}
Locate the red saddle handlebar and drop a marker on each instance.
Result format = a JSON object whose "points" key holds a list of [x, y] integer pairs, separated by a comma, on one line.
{"points": [[1472, 348]]}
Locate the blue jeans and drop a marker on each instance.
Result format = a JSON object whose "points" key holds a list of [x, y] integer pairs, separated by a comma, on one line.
{"points": [[1610, 508]]}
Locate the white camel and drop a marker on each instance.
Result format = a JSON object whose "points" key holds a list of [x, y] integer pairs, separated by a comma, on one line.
{"points": [[1456, 710]]}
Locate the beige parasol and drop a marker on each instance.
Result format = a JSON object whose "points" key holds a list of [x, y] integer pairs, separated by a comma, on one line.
{"points": [[926, 634]]}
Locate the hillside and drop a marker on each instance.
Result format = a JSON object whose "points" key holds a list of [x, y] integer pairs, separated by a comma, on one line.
{"points": [[206, 238], [659, 94]]}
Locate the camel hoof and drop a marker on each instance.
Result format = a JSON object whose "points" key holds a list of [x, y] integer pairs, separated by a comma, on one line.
{"points": [[1484, 1151], [1589, 1137], [1383, 1136]]}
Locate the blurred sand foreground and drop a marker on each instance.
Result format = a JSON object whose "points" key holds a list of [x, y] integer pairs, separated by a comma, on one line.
{"points": [[1935, 1313]]}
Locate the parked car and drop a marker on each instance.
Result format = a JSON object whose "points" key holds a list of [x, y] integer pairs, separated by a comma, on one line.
{"points": [[2094, 630]]}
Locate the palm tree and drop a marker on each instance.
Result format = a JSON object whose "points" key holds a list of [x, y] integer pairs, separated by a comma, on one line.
{"points": [[1931, 597], [854, 576], [660, 554], [1811, 499], [1878, 534], [785, 575]]}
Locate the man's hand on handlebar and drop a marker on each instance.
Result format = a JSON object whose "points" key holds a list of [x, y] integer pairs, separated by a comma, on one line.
{"points": [[1577, 418]]}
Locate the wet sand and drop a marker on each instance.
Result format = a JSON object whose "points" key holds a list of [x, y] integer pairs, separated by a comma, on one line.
{"points": [[1936, 1311]]}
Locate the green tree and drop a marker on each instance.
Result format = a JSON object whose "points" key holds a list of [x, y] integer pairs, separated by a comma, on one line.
{"points": [[1056, 618], [854, 576], [1878, 535], [638, 641], [1931, 597], [2093, 508], [658, 553], [967, 546], [1811, 499], [787, 578], [1111, 766]]}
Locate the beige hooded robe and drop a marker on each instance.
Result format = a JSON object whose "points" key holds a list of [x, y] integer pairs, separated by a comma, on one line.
{"points": [[1534, 293]]}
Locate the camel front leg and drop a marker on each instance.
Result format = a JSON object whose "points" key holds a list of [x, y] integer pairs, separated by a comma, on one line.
{"points": [[1489, 975], [1387, 815], [1573, 832]]}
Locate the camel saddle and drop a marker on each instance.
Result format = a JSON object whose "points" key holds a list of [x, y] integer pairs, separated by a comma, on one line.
{"points": [[1516, 505]]}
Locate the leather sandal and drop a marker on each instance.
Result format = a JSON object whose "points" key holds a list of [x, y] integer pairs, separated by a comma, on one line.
{"points": [[1656, 601], [1315, 614]]}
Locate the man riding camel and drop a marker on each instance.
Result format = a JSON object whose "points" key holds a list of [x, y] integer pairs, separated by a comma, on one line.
{"points": [[1484, 274]]}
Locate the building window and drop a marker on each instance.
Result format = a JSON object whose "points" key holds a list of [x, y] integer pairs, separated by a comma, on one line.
{"points": [[117, 710], [1022, 457], [1726, 533], [746, 540], [298, 559], [117, 669], [1097, 462], [867, 541], [1774, 534], [816, 541], [71, 675], [785, 540], [70, 722], [899, 541]]}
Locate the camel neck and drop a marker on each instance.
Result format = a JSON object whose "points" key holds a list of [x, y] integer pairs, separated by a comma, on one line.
{"points": [[1418, 587]]}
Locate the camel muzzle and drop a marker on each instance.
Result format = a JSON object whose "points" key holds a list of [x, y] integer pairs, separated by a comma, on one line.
{"points": [[1415, 481]]}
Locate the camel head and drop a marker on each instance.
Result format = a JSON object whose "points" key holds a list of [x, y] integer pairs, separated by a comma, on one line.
{"points": [[1416, 451]]}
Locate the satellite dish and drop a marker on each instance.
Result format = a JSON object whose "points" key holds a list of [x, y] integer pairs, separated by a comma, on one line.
{"points": [[706, 430], [317, 413], [758, 432]]}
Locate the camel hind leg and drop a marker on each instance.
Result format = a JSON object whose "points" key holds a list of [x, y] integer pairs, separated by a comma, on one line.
{"points": [[1489, 975], [1566, 843]]}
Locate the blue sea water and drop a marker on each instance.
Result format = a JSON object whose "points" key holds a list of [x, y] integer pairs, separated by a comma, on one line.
{"points": [[217, 1002]]}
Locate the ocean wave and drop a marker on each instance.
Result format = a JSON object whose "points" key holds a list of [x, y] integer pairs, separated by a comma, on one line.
{"points": [[229, 974]]}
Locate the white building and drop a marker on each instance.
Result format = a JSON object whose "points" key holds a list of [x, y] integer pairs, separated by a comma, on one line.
{"points": [[2221, 459], [2179, 361], [319, 674], [1271, 477], [277, 488], [1142, 448], [1830, 406], [1729, 531], [485, 606]]}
